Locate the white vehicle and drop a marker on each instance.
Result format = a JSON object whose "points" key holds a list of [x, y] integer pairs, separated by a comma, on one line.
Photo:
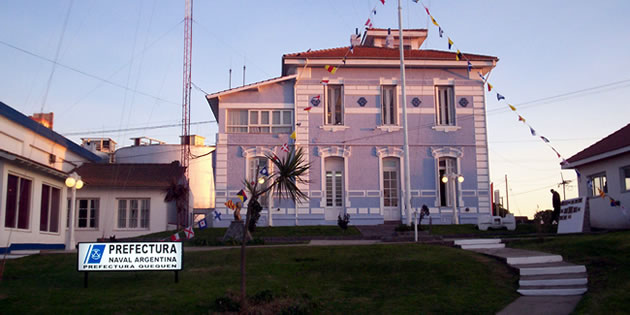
{"points": [[496, 222]]}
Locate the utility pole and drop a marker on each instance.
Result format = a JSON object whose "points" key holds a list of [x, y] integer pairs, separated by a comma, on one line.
{"points": [[564, 183], [507, 196]]}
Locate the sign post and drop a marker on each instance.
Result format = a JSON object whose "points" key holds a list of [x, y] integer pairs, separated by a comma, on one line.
{"points": [[130, 256]]}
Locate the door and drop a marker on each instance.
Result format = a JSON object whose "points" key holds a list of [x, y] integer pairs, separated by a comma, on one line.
{"points": [[334, 188], [391, 189]]}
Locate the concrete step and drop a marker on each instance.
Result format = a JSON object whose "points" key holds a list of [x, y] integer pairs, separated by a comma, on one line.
{"points": [[528, 260], [549, 268], [25, 252], [554, 280], [478, 241], [484, 246], [553, 290]]}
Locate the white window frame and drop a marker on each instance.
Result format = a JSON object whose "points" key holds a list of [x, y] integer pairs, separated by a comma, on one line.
{"points": [[262, 128], [49, 208], [253, 176], [445, 113], [129, 217], [328, 117], [448, 169], [89, 214], [598, 180], [386, 115], [624, 177]]}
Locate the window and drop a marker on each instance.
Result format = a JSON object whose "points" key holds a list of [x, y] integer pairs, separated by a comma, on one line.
{"points": [[255, 165], [389, 112], [49, 212], [625, 178], [134, 213], [259, 121], [87, 213], [334, 105], [334, 182], [597, 183], [444, 105], [18, 205], [446, 166]]}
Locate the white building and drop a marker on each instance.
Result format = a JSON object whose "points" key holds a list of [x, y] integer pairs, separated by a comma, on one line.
{"points": [[34, 163], [605, 166]]}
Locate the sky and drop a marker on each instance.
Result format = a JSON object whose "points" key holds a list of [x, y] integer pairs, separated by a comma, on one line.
{"points": [[563, 65]]}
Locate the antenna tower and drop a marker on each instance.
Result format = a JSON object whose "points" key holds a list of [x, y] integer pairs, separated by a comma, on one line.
{"points": [[185, 140]]}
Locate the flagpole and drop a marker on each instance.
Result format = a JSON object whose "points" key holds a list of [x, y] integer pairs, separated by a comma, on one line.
{"points": [[407, 192]]}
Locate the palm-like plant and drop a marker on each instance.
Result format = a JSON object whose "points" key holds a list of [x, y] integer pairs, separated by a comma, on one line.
{"points": [[289, 171], [178, 192]]}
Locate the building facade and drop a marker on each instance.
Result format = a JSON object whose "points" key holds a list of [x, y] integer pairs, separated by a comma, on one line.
{"points": [[605, 167], [34, 163], [345, 106]]}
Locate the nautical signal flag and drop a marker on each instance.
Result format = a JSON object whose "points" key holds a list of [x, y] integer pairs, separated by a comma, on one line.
{"points": [[203, 223], [285, 147], [520, 118], [601, 193], [500, 97], [189, 232], [532, 131], [230, 204], [263, 171], [434, 21], [469, 66], [489, 87], [324, 82], [458, 57], [293, 135], [368, 23], [175, 237], [242, 195], [440, 31], [450, 43], [544, 139], [217, 216], [308, 108], [330, 69], [512, 107], [383, 2]]}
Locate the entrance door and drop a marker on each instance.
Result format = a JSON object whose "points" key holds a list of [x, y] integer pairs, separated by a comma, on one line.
{"points": [[391, 189], [334, 188]]}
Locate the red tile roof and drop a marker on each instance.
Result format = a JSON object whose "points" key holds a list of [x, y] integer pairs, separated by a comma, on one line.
{"points": [[130, 175], [617, 140], [362, 52]]}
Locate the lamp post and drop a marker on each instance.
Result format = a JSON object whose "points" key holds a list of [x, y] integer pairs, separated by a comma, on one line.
{"points": [[459, 178], [73, 181]]}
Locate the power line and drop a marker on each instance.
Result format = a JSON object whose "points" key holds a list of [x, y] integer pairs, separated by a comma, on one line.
{"points": [[87, 74], [77, 133]]}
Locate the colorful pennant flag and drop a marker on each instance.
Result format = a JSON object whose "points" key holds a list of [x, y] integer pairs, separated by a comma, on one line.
{"points": [[520, 118], [500, 97], [601, 193], [469, 66], [425, 8], [557, 153], [293, 135], [285, 147], [263, 171], [202, 224], [458, 56], [308, 108], [489, 87], [512, 107], [440, 31], [217, 215], [330, 69], [368, 23], [544, 139], [242, 195], [230, 204], [482, 77], [383, 2], [175, 237], [434, 22], [450, 43], [324, 82], [578, 173], [189, 232], [533, 132]]}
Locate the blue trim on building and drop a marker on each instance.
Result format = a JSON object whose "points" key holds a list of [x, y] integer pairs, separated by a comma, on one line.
{"points": [[32, 246], [23, 120]]}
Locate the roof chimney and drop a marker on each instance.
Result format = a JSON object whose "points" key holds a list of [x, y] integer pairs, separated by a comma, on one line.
{"points": [[45, 119], [355, 39]]}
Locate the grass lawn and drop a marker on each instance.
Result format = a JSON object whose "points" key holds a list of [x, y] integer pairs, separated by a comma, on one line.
{"points": [[607, 261], [471, 230], [376, 279]]}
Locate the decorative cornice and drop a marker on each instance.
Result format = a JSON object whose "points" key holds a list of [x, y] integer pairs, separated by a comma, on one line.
{"points": [[446, 152], [325, 152], [255, 151], [390, 151]]}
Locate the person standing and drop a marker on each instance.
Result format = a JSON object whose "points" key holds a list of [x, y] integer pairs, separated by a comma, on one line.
{"points": [[555, 200]]}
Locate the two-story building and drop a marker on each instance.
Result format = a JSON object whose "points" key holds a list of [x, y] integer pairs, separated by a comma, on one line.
{"points": [[345, 106]]}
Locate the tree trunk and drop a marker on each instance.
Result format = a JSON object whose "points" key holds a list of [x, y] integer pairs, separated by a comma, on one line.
{"points": [[243, 258]]}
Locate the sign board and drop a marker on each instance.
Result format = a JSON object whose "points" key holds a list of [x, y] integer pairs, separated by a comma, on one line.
{"points": [[132, 256], [571, 219]]}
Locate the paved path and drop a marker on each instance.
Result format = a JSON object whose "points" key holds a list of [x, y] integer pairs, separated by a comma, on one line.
{"points": [[542, 305]]}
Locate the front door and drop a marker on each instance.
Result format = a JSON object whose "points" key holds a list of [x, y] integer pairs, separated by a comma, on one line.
{"points": [[391, 189], [334, 188]]}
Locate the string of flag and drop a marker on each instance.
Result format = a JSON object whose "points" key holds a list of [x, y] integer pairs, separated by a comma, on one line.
{"points": [[459, 56]]}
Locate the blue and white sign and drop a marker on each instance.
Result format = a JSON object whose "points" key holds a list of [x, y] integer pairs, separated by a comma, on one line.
{"points": [[164, 256]]}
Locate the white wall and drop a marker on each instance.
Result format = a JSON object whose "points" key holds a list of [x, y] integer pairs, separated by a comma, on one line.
{"points": [[200, 169], [602, 214], [108, 212]]}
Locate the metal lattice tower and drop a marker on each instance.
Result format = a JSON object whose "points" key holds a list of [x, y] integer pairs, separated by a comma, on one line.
{"points": [[185, 140]]}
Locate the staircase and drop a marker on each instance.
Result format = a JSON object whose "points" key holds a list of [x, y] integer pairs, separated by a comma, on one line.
{"points": [[541, 274]]}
